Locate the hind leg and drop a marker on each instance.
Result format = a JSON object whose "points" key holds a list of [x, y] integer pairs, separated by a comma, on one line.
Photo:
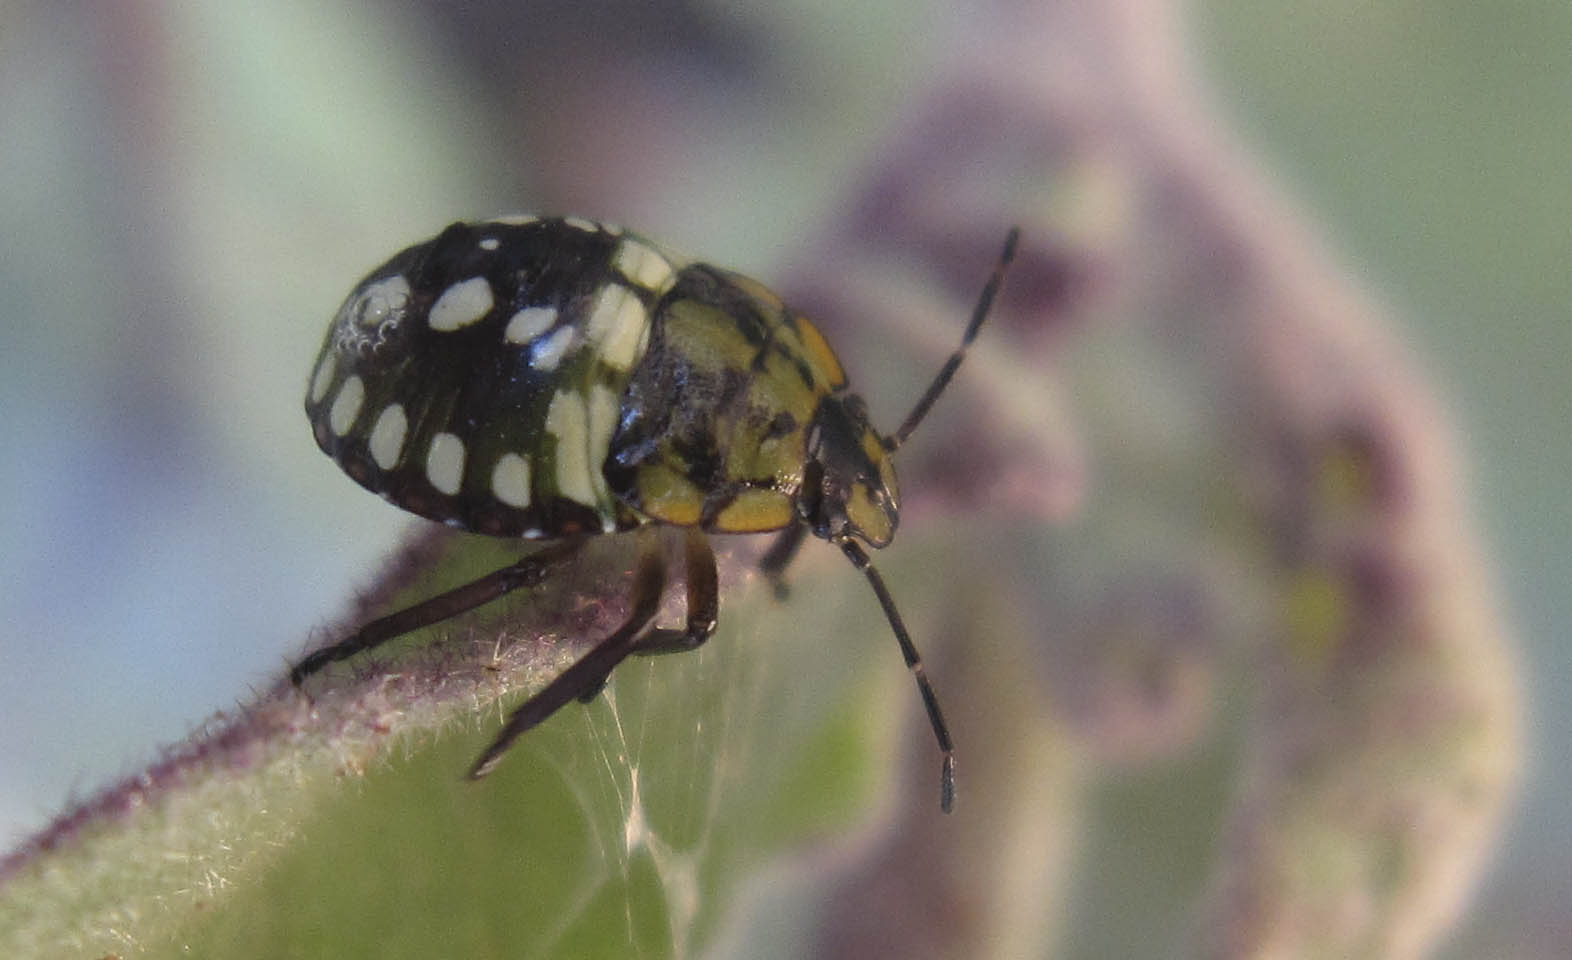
{"points": [[527, 572]]}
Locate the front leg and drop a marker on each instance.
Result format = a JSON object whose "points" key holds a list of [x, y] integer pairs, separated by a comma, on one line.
{"points": [[780, 555], [703, 610], [703, 601], [586, 678]]}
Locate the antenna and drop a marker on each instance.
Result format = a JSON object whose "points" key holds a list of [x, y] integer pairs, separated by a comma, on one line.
{"points": [[859, 557], [979, 314]]}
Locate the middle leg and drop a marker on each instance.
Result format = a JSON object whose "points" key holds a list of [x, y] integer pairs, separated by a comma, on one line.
{"points": [[780, 555], [703, 609], [703, 601], [589, 673]]}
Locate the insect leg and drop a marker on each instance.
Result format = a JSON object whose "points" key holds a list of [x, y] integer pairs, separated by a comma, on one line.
{"points": [[780, 555], [930, 700], [527, 572], [591, 670], [703, 609], [703, 602]]}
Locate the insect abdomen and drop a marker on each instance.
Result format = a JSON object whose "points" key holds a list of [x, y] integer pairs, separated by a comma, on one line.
{"points": [[477, 378]]}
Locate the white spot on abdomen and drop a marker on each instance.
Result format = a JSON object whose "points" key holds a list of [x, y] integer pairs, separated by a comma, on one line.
{"points": [[546, 353], [489, 243], [324, 376], [445, 463], [618, 326], [370, 316], [588, 226], [515, 219], [643, 265], [510, 480], [387, 435], [603, 410], [461, 305], [346, 406], [378, 303], [530, 323], [566, 420]]}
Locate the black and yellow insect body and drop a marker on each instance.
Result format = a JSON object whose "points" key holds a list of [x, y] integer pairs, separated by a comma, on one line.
{"points": [[559, 378]]}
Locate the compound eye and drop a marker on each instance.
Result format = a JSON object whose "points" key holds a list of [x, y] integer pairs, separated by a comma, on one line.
{"points": [[869, 515]]}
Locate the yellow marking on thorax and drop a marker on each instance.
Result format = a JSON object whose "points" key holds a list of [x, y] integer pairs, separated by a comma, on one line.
{"points": [[666, 495], [758, 291], [819, 354], [755, 511]]}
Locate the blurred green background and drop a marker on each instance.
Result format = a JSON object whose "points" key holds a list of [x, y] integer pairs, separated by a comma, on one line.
{"points": [[1430, 139], [187, 190]]}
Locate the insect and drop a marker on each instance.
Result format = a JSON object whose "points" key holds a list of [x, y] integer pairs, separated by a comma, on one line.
{"points": [[558, 379]]}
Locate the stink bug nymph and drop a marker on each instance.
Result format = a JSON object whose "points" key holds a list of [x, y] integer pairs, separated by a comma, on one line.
{"points": [[555, 379]]}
